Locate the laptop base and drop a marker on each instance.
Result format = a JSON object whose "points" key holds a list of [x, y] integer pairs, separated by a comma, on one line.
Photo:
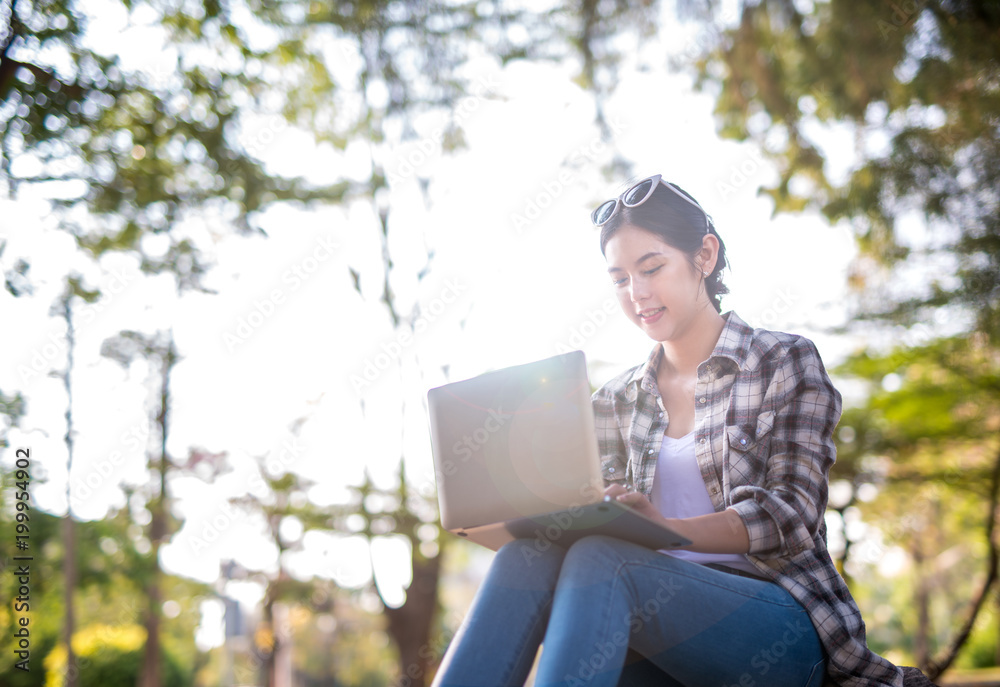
{"points": [[564, 527]]}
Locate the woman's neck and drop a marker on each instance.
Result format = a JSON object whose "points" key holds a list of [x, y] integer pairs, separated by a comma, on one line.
{"points": [[682, 356]]}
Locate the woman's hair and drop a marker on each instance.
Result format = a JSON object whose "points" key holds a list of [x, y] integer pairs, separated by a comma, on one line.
{"points": [[680, 224]]}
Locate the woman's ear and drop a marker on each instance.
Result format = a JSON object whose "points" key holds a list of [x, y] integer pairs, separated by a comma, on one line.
{"points": [[708, 254]]}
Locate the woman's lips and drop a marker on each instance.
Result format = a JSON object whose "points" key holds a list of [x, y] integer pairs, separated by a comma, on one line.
{"points": [[652, 315]]}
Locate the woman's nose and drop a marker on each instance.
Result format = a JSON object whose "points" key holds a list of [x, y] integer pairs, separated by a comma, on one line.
{"points": [[638, 290]]}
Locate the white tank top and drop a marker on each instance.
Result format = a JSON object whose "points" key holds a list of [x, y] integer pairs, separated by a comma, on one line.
{"points": [[679, 492]]}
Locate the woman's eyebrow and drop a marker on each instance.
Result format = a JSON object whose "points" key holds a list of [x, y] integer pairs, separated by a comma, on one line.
{"points": [[644, 258]]}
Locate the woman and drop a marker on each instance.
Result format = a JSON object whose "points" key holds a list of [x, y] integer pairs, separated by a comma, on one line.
{"points": [[725, 435]]}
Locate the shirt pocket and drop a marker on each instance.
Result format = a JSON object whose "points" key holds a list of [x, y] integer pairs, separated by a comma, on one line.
{"points": [[750, 447], [613, 470]]}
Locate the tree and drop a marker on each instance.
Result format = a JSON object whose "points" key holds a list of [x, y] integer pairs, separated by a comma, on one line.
{"points": [[107, 592], [284, 505], [438, 38], [915, 85], [64, 308], [143, 153], [931, 436], [160, 350], [145, 158]]}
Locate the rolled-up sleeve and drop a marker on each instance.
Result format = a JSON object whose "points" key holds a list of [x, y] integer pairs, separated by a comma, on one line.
{"points": [[610, 444], [784, 506]]}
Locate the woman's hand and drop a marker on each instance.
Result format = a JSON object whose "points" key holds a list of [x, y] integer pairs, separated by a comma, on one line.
{"points": [[634, 500], [722, 532]]}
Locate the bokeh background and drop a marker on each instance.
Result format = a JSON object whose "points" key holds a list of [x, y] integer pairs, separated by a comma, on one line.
{"points": [[241, 239]]}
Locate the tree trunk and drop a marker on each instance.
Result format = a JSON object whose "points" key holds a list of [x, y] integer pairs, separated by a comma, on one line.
{"points": [[69, 528], [149, 674], [410, 624], [69, 571], [921, 647], [267, 616]]}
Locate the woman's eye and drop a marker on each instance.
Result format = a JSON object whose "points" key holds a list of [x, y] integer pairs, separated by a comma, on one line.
{"points": [[654, 270], [619, 282]]}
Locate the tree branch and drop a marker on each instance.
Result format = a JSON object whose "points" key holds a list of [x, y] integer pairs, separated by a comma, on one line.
{"points": [[935, 667]]}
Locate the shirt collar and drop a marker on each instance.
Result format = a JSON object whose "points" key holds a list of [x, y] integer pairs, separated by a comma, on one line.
{"points": [[733, 344]]}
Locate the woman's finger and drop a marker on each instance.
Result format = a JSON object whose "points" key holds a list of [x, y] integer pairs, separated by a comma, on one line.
{"points": [[631, 498], [615, 490]]}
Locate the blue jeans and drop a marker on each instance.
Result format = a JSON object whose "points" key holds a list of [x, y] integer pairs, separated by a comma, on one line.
{"points": [[609, 613]]}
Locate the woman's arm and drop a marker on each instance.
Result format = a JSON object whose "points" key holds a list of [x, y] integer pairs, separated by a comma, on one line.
{"points": [[722, 532], [779, 488]]}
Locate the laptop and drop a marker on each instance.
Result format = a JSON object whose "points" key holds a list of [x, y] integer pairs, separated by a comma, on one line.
{"points": [[515, 456]]}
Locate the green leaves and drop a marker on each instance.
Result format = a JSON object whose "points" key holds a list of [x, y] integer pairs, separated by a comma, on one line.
{"points": [[917, 83]]}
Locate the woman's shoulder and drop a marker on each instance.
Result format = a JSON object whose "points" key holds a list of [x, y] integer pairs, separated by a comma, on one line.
{"points": [[758, 345]]}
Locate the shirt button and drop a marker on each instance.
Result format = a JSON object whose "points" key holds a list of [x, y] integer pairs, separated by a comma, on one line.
{"points": [[743, 441], [702, 399], [661, 414], [702, 440], [649, 451], [611, 469]]}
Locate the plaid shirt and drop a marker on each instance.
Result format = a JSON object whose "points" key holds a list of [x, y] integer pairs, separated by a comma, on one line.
{"points": [[765, 412]]}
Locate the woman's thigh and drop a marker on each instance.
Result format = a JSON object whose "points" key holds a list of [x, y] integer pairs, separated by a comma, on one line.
{"points": [[698, 625], [499, 637]]}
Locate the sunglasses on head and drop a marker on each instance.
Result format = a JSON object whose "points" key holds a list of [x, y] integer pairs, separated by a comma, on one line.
{"points": [[635, 196]]}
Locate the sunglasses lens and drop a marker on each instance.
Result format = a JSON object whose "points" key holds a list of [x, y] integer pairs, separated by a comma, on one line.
{"points": [[603, 213], [638, 193]]}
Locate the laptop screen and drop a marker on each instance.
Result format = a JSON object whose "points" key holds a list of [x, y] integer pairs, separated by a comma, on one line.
{"points": [[515, 442]]}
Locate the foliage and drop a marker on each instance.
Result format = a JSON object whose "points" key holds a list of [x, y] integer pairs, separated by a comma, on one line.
{"points": [[129, 152], [946, 392], [108, 592], [916, 85], [110, 656], [927, 438], [887, 116], [160, 160], [11, 410]]}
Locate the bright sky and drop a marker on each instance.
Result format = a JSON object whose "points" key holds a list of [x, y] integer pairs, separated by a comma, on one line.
{"points": [[272, 362]]}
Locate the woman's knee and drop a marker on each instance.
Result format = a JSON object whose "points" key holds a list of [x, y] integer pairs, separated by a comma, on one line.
{"points": [[524, 558], [599, 549], [598, 557]]}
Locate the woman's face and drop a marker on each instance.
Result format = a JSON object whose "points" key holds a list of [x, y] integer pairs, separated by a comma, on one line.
{"points": [[656, 284]]}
